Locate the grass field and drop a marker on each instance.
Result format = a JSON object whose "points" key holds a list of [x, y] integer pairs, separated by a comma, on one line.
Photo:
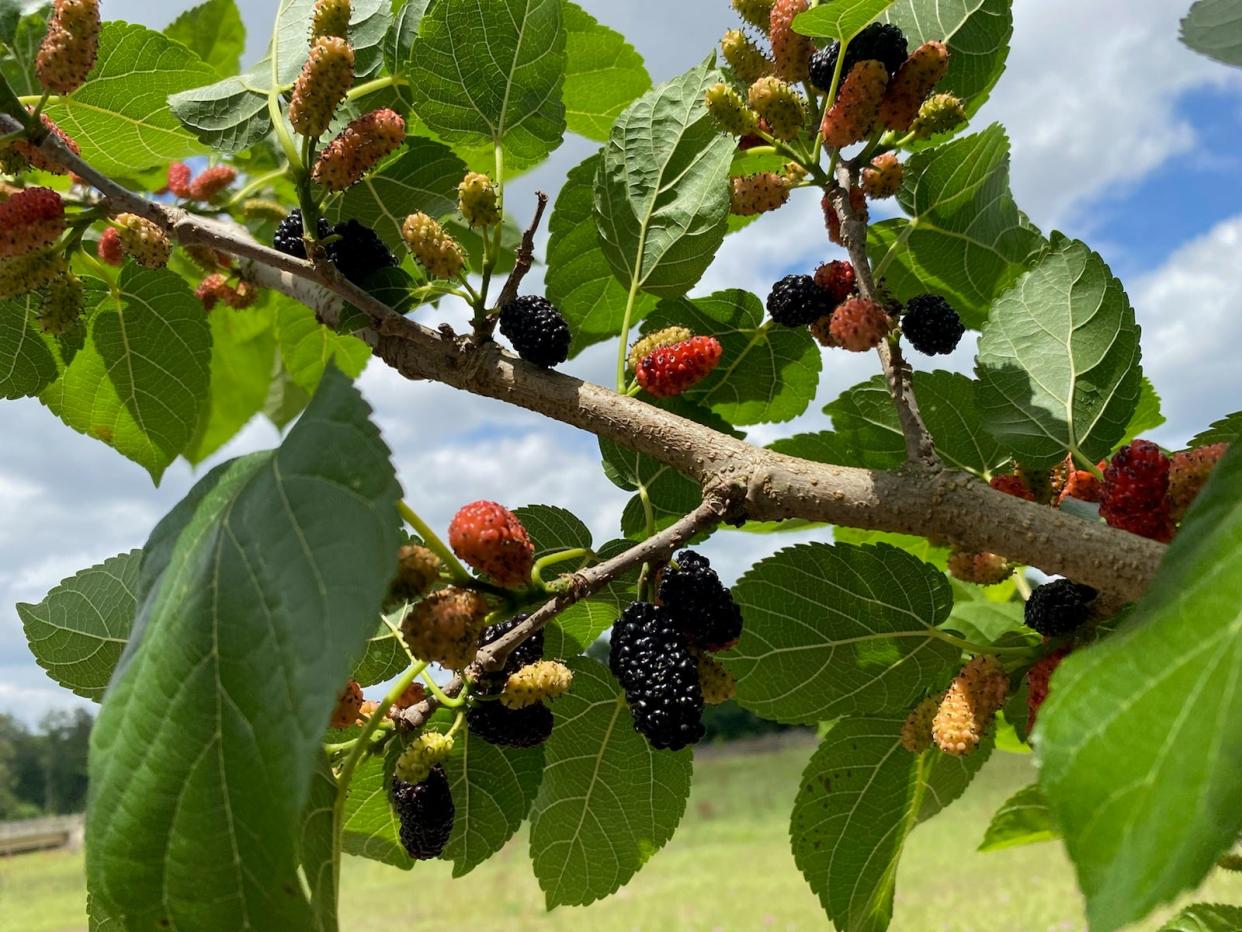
{"points": [[729, 868]]}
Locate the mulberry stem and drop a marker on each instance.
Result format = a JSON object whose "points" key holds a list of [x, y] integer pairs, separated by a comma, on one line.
{"points": [[563, 556], [370, 87], [445, 700], [434, 543], [255, 184]]}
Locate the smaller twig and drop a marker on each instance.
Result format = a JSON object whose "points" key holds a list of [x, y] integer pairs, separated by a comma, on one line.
{"points": [[525, 259], [897, 373], [718, 505]]}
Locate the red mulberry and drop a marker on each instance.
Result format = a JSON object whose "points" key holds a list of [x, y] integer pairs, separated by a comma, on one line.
{"points": [[30, 220], [912, 83], [359, 148]]}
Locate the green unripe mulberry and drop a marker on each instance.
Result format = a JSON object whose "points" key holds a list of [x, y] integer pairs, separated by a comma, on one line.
{"points": [[730, 111]]}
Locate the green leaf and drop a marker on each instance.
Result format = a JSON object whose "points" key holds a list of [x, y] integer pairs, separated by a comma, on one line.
{"points": [[1147, 414], [662, 193], [370, 828], [553, 529], [861, 795], [987, 622], [120, 117], [214, 31], [603, 74], [78, 631], [424, 177], [402, 35], [232, 114], [947, 403], [18, 63], [385, 655], [493, 790], [1214, 28], [285, 399], [977, 33], [766, 374], [1206, 917], [824, 446], [840, 20], [1227, 430], [608, 801], [1058, 362], [243, 350], [966, 239], [579, 280], [1139, 743], [839, 630], [1023, 819], [491, 74], [256, 593], [140, 383], [307, 347], [28, 361], [919, 547], [318, 846]]}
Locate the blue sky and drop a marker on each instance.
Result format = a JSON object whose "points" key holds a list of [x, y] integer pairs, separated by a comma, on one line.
{"points": [[1120, 136]]}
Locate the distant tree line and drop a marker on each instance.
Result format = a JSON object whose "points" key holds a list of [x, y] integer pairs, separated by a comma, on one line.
{"points": [[43, 770]]}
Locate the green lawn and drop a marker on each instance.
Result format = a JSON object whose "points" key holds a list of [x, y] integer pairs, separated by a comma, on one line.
{"points": [[729, 867]]}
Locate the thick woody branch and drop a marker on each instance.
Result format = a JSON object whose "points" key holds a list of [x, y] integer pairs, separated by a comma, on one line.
{"points": [[715, 508], [943, 505], [897, 372]]}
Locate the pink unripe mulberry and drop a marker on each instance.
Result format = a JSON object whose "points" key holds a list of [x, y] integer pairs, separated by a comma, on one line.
{"points": [[30, 220], [758, 193], [179, 179], [22, 154], [110, 249], [912, 84], [211, 182], [791, 51], [211, 289], [853, 116], [359, 148], [859, 325], [68, 51], [882, 178], [325, 80]]}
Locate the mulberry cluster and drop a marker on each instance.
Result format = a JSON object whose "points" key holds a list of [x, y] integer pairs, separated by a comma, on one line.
{"points": [[536, 682], [70, 47], [494, 722], [701, 606], [434, 247], [1059, 607], [1037, 679], [537, 330], [418, 569], [22, 154], [347, 705], [143, 241], [791, 52], [780, 106], [796, 301], [491, 539], [1188, 473], [444, 627], [1135, 494], [358, 148], [425, 813], [744, 56], [760, 193], [932, 325], [973, 698], [323, 83], [30, 220], [655, 667], [671, 370], [882, 42]]}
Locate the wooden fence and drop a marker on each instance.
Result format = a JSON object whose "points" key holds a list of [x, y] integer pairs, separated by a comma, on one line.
{"points": [[40, 834]]}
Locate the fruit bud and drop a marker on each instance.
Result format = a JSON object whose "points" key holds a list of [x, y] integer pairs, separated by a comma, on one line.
{"points": [[730, 111], [179, 179], [262, 208], [434, 247], [110, 249], [348, 703], [780, 106], [359, 148], [22, 154], [912, 83], [982, 569], [478, 200], [325, 80]]}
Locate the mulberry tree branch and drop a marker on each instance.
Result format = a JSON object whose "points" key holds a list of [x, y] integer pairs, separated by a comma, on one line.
{"points": [[897, 372], [718, 504], [941, 504]]}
